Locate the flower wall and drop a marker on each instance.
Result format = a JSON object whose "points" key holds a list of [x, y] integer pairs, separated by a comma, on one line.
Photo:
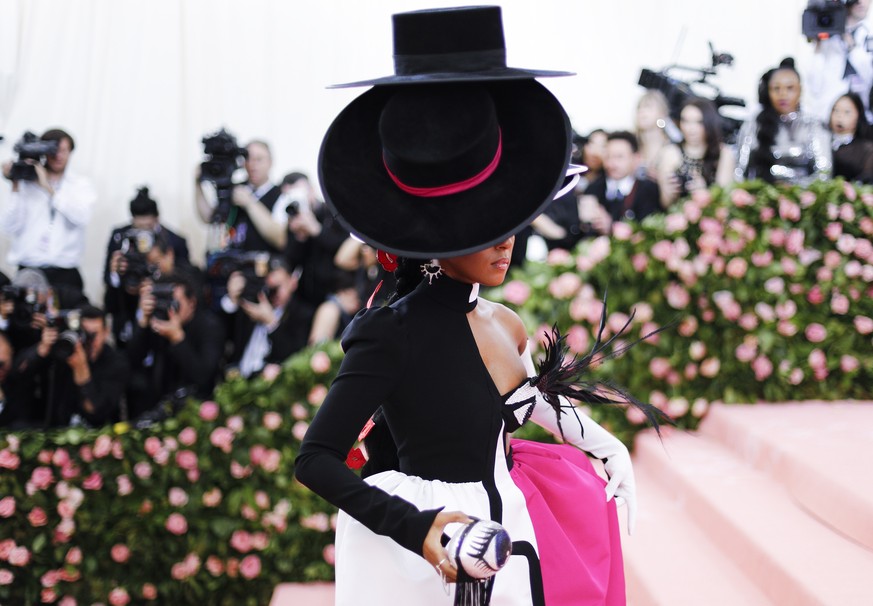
{"points": [[200, 510], [770, 291]]}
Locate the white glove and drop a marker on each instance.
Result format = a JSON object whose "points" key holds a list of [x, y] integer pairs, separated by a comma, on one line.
{"points": [[584, 433]]}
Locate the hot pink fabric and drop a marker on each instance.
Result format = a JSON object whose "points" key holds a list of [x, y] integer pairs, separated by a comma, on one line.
{"points": [[577, 531]]}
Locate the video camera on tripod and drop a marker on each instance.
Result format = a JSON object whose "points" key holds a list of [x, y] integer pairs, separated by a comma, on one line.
{"points": [[224, 157], [695, 84], [30, 149]]}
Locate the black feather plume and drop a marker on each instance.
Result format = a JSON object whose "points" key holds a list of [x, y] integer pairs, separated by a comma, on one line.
{"points": [[572, 378]]}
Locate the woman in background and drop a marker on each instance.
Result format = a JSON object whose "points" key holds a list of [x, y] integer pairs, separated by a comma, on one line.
{"points": [[782, 144], [654, 130], [853, 151], [701, 159]]}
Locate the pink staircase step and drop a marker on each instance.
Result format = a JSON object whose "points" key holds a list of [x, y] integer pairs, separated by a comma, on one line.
{"points": [[672, 562], [821, 451], [303, 594], [791, 556]]}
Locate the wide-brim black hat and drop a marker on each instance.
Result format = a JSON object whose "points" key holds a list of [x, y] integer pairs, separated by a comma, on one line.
{"points": [[451, 45], [367, 177]]}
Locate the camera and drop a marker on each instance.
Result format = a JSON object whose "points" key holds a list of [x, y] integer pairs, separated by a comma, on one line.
{"points": [[254, 266], [135, 246], [695, 84], [825, 18], [30, 148], [26, 303], [70, 332], [164, 300], [223, 159]]}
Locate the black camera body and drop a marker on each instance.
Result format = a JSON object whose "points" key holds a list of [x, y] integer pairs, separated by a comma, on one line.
{"points": [[26, 303], [223, 159], [254, 266], [30, 148], [135, 246], [164, 300], [823, 19], [68, 322], [678, 90]]}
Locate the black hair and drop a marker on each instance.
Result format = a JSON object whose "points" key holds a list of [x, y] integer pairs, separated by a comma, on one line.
{"points": [[162, 242], [142, 205], [862, 129], [768, 122], [179, 279], [292, 178], [57, 134], [90, 312], [408, 275], [624, 135], [712, 132]]}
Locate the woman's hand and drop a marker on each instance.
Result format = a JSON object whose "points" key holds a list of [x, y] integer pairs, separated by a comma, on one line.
{"points": [[433, 550]]}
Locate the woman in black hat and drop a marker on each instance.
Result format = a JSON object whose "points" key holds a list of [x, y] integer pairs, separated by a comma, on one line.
{"points": [[437, 167]]}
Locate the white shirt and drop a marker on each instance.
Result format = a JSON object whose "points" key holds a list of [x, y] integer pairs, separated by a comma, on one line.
{"points": [[621, 186], [48, 231]]}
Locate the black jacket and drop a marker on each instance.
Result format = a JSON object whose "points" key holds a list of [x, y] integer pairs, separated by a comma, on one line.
{"points": [[644, 200]]}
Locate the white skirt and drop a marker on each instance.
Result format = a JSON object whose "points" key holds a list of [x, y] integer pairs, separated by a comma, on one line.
{"points": [[372, 569]]}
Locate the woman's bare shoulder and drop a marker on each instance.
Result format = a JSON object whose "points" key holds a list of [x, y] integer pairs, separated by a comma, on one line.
{"points": [[510, 321]]}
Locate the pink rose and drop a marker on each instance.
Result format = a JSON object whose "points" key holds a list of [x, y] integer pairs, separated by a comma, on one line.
{"points": [[745, 352], [863, 249], [817, 359], [866, 225], [673, 223], [186, 459], [316, 395], [48, 595], [7, 507], [209, 411], [774, 286], [815, 333], [41, 478], [762, 259], [677, 296], [863, 325], [222, 438], [299, 412], [622, 230], [786, 310], [61, 458], [177, 497], [765, 312], [329, 554], [260, 540], [559, 256], [250, 566], [598, 249], [317, 521], [271, 460], [640, 262], [119, 553], [748, 322], [815, 295], [239, 471], [320, 362], [658, 399], [697, 350], [119, 597], [125, 487], [6, 576], [659, 367], [741, 197], [690, 372], [272, 420], [86, 454], [235, 423], [788, 210], [262, 499], [142, 470], [849, 363], [188, 436], [840, 304], [709, 367], [763, 367], [565, 286], [102, 446], [215, 566], [634, 415], [833, 231], [807, 198], [248, 512], [736, 268], [66, 510], [794, 242], [93, 481], [662, 250], [847, 212], [846, 244], [516, 292], [578, 339], [777, 237], [74, 556], [241, 541], [789, 266], [149, 591], [9, 460], [152, 445], [19, 556], [649, 328], [37, 517], [677, 407], [767, 214], [212, 498], [299, 429], [177, 524], [786, 328]]}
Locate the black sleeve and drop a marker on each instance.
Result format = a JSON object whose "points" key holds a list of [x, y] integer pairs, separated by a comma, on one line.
{"points": [[292, 334], [375, 348], [198, 355], [106, 387]]}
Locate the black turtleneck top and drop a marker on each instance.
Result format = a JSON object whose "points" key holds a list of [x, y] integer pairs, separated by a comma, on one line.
{"points": [[417, 359]]}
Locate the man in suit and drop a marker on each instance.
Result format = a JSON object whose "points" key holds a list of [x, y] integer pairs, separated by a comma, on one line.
{"points": [[126, 264], [618, 194]]}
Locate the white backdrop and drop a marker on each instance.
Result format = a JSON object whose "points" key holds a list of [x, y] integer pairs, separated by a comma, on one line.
{"points": [[138, 84]]}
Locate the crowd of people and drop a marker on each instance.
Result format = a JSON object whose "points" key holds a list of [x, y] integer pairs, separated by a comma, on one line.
{"points": [[281, 273]]}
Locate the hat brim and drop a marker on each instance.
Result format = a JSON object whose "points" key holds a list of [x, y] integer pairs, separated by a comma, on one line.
{"points": [[508, 73], [358, 191]]}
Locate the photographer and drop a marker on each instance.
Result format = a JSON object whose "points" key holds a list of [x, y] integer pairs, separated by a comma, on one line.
{"points": [[315, 239], [47, 216], [841, 63], [135, 252], [73, 376], [10, 395], [269, 323], [251, 223], [175, 344]]}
